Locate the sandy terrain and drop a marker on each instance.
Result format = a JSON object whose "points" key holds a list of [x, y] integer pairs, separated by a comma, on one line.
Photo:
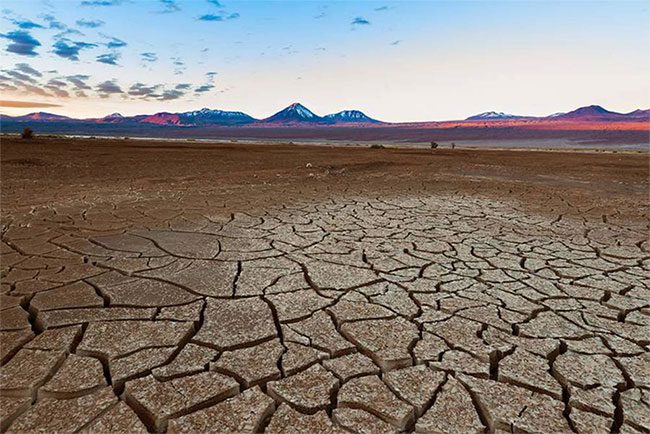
{"points": [[186, 287]]}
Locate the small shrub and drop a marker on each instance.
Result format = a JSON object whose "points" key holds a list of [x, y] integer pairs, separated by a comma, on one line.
{"points": [[27, 133], [376, 146], [434, 145]]}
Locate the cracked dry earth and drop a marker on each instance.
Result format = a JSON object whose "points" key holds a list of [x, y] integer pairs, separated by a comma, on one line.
{"points": [[396, 291], [430, 314]]}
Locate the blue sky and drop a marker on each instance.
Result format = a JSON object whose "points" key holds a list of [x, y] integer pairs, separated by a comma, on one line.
{"points": [[397, 61]]}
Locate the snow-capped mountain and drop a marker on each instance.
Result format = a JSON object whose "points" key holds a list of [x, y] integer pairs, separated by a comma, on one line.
{"points": [[351, 116], [113, 118], [296, 112], [493, 116], [201, 117], [207, 116]]}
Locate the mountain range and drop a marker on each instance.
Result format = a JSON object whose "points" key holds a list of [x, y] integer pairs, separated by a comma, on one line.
{"points": [[588, 113], [298, 115]]}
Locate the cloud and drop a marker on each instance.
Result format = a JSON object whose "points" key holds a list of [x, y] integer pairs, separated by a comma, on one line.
{"points": [[79, 81], [204, 88], [114, 42], [8, 87], [70, 49], [61, 93], [399, 41], [144, 91], [215, 2], [57, 82], [148, 57], [210, 17], [23, 67], [90, 24], [218, 17], [319, 16], [21, 77], [107, 88], [101, 2], [360, 21], [109, 59], [52, 22], [26, 104], [210, 75], [382, 8], [21, 43], [169, 95], [67, 31], [27, 24], [179, 65], [35, 90], [169, 6], [156, 91]]}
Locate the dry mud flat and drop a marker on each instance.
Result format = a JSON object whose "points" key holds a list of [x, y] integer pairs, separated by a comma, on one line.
{"points": [[416, 311]]}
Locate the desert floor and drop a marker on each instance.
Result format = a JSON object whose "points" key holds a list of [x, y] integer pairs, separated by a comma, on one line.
{"points": [[191, 287]]}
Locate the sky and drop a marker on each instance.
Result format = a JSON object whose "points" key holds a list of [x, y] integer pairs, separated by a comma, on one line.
{"points": [[396, 61]]}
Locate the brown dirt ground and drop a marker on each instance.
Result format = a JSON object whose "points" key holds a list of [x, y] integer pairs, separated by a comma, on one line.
{"points": [[64, 173]]}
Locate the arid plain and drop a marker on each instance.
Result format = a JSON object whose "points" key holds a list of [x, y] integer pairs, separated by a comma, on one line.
{"points": [[196, 287]]}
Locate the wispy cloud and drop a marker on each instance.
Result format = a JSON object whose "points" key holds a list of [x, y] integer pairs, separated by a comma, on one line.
{"points": [[204, 88], [107, 88], [399, 41], [179, 65], [26, 104], [217, 3], [360, 21], [79, 81], [114, 42], [57, 91], [218, 17], [27, 24], [109, 59], [169, 95], [57, 82], [148, 57], [52, 22], [90, 24], [158, 91], [70, 49], [169, 6], [144, 91], [381, 9], [101, 2], [20, 77], [21, 43], [23, 67]]}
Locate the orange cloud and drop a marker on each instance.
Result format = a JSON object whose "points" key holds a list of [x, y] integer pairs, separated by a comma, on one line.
{"points": [[26, 104]]}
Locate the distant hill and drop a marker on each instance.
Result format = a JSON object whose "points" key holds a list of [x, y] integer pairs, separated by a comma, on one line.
{"points": [[42, 117], [486, 116], [590, 113]]}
